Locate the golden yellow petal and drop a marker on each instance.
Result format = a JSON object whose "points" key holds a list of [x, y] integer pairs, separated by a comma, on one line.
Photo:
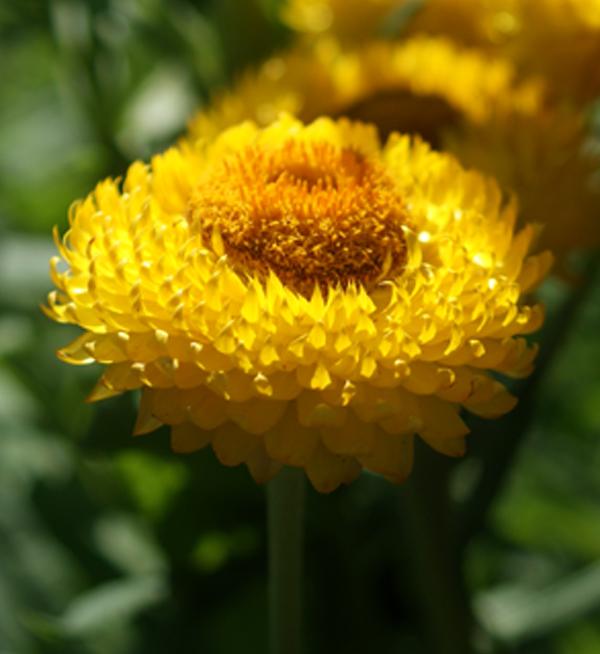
{"points": [[146, 420], [256, 416], [454, 447], [353, 439], [327, 471], [291, 443], [391, 457], [440, 420], [261, 466], [206, 410], [186, 438], [233, 445]]}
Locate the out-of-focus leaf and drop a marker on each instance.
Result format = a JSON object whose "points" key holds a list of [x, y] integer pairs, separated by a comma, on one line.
{"points": [[517, 614], [16, 332], [559, 525], [72, 24], [214, 549], [24, 264], [153, 482], [28, 454], [199, 39], [157, 111], [112, 602], [581, 639], [48, 155], [15, 401], [125, 541]]}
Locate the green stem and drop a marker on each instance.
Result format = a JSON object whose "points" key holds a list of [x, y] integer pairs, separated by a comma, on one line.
{"points": [[285, 500], [431, 556]]}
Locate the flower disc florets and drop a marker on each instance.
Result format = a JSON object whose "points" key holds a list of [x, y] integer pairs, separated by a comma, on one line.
{"points": [[228, 344], [312, 213]]}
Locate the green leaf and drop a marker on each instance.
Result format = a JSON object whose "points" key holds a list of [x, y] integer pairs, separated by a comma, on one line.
{"points": [[24, 270], [517, 614], [113, 602]]}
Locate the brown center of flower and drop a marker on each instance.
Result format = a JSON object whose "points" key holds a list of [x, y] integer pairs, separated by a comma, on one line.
{"points": [[406, 112], [313, 213]]}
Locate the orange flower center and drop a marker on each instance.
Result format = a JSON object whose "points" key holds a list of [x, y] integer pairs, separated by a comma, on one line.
{"points": [[313, 213]]}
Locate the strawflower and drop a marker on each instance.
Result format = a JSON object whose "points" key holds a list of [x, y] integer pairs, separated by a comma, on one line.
{"points": [[420, 79], [302, 295], [559, 39]]}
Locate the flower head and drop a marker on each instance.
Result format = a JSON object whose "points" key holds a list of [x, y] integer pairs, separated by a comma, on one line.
{"points": [[423, 82], [302, 295], [558, 39], [458, 99]]}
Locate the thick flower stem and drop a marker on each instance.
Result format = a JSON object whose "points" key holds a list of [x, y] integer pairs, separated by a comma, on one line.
{"points": [[431, 558], [285, 498]]}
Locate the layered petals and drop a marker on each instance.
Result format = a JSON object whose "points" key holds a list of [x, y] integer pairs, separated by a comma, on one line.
{"points": [[332, 380]]}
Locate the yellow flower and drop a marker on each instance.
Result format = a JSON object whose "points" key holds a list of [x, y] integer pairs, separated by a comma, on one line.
{"points": [[559, 39], [301, 295], [422, 79], [456, 98]]}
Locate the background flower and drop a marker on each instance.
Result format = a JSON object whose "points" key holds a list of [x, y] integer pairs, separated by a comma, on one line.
{"points": [[558, 39]]}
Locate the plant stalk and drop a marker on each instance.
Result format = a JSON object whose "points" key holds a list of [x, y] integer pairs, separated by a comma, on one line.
{"points": [[285, 516], [431, 558]]}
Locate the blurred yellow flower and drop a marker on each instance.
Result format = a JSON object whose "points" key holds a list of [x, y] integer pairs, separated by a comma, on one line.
{"points": [[423, 79], [458, 99], [301, 295], [559, 39]]}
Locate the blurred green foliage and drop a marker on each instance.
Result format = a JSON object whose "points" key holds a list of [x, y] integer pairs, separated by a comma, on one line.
{"points": [[114, 544]]}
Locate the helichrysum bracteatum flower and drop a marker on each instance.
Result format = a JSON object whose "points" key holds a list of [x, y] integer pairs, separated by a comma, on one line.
{"points": [[459, 99], [385, 80], [559, 39], [302, 295]]}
